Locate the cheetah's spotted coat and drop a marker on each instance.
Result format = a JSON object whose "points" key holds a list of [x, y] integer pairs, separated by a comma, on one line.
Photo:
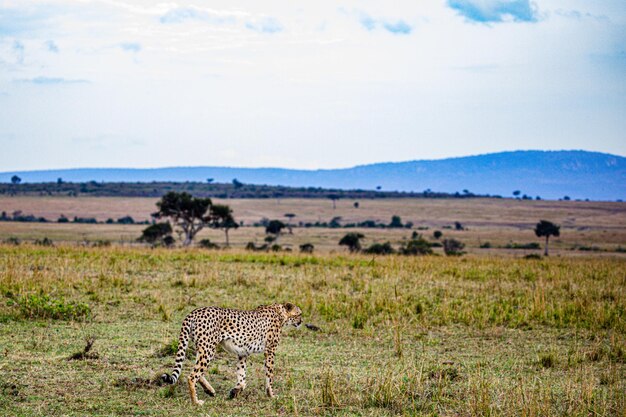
{"points": [[239, 332]]}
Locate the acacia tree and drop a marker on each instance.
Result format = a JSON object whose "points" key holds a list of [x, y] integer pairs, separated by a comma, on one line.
{"points": [[290, 216], [222, 218], [352, 241], [274, 227], [547, 229], [185, 211], [334, 198]]}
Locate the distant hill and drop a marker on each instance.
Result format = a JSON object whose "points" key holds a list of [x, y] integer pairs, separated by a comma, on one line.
{"points": [[548, 174]]}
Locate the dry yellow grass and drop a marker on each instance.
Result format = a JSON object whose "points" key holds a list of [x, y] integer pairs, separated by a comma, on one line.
{"points": [[497, 221], [410, 336], [422, 212]]}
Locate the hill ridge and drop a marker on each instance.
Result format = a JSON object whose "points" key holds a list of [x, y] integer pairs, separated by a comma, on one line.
{"points": [[550, 174]]}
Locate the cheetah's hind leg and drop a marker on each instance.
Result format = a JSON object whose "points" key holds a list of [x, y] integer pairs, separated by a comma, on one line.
{"points": [[208, 389], [205, 355]]}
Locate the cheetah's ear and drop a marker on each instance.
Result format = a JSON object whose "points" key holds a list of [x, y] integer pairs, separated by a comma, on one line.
{"points": [[289, 307]]}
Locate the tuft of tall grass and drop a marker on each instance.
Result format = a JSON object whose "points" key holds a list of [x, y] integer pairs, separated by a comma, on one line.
{"points": [[41, 306]]}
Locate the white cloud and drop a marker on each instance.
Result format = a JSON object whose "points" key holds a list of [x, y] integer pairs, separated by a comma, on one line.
{"points": [[307, 84]]}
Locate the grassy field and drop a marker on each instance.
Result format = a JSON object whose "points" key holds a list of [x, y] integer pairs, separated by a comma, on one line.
{"points": [[435, 336], [591, 225]]}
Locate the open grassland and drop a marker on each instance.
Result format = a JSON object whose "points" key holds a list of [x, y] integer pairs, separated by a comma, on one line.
{"points": [[472, 212], [591, 225], [472, 336]]}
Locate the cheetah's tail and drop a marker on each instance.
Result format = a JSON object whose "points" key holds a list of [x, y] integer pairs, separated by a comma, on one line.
{"points": [[183, 341]]}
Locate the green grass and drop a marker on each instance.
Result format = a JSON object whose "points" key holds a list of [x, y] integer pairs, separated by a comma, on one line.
{"points": [[399, 335]]}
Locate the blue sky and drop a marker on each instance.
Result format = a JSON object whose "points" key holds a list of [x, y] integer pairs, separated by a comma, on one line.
{"points": [[301, 84]]}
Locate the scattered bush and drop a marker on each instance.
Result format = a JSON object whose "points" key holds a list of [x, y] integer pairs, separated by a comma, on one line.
{"points": [[126, 220], [437, 234], [158, 233], [63, 219], [352, 241], [531, 245], [207, 244], [380, 249], [307, 248], [101, 243], [589, 248], [44, 242], [86, 220], [251, 246], [43, 307], [416, 246], [396, 222], [335, 222], [453, 247], [485, 245], [533, 256], [12, 241]]}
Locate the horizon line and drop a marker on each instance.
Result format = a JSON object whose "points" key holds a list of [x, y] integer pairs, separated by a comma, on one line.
{"points": [[306, 169]]}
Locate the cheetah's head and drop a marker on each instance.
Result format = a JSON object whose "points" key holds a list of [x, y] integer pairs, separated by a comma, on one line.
{"points": [[293, 315]]}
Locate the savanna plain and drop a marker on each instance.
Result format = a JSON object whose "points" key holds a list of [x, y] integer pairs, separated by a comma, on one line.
{"points": [[88, 330]]}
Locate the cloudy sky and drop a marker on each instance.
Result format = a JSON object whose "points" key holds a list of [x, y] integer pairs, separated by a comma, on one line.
{"points": [[305, 84]]}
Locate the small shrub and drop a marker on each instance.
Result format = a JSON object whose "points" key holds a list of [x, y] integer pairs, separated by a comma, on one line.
{"points": [[417, 246], [276, 248], [207, 244], [352, 241], [589, 248], [43, 307], [307, 248], [251, 246], [453, 247], [486, 245], [534, 256], [12, 241], [126, 220], [44, 242], [158, 233], [85, 220], [63, 219], [396, 222], [437, 234], [531, 245], [380, 249]]}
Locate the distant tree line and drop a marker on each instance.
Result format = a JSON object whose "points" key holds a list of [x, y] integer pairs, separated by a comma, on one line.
{"points": [[19, 216], [234, 189]]}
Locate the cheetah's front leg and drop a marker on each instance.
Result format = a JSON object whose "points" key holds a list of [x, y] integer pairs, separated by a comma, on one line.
{"points": [[241, 378], [269, 372]]}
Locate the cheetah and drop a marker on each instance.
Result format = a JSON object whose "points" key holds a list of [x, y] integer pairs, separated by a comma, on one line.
{"points": [[239, 332]]}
